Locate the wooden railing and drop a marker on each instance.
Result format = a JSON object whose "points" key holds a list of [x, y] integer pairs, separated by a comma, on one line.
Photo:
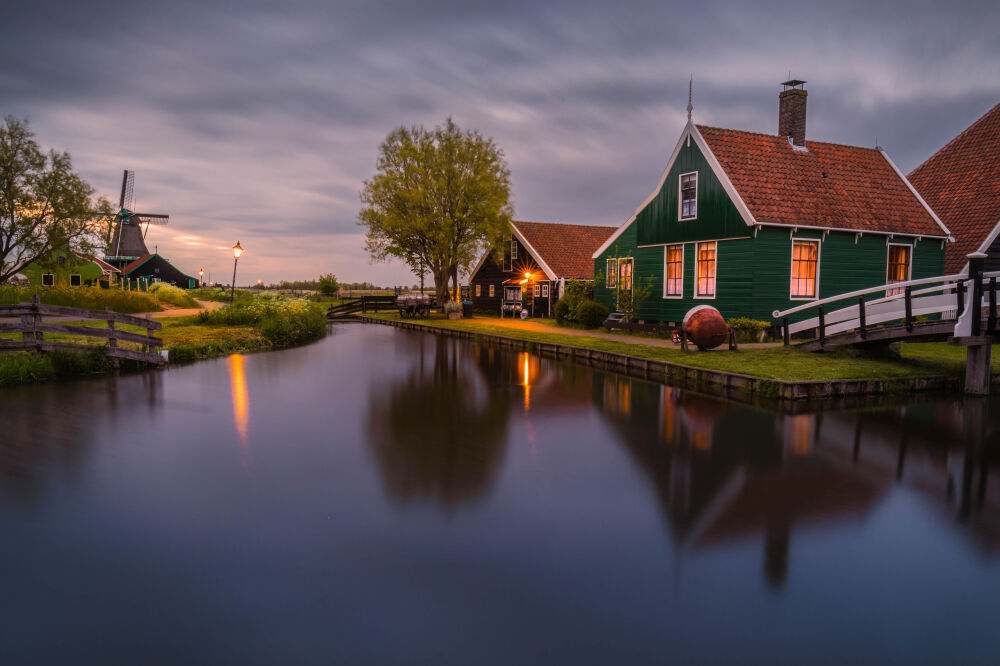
{"points": [[33, 328]]}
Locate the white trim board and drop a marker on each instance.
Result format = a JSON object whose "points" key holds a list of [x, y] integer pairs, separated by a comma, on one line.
{"points": [[984, 246], [533, 252], [917, 195]]}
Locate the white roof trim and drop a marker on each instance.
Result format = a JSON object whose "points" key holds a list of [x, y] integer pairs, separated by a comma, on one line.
{"points": [[951, 239], [533, 252], [984, 246], [873, 232], [727, 185]]}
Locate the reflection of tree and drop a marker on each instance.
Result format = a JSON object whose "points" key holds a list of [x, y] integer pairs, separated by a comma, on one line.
{"points": [[438, 433]]}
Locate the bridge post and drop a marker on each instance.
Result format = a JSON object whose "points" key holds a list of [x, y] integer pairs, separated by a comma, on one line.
{"points": [[991, 318], [785, 334], [822, 326], [908, 296], [978, 346], [863, 328], [976, 274]]}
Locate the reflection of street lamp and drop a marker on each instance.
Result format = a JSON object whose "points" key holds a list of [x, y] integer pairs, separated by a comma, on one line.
{"points": [[237, 251]]}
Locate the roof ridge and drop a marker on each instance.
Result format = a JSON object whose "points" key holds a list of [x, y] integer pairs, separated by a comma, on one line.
{"points": [[995, 107], [565, 224], [778, 136]]}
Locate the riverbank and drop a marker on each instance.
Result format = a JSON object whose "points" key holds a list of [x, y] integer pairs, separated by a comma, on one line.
{"points": [[779, 372]]}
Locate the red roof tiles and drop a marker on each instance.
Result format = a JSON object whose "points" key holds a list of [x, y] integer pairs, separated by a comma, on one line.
{"points": [[828, 185], [566, 248], [128, 268], [961, 182]]}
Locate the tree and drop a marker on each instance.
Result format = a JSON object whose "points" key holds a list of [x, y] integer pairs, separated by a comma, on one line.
{"points": [[438, 199], [328, 285], [44, 205]]}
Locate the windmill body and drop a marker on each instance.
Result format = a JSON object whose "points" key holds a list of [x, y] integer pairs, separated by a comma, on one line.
{"points": [[128, 240]]}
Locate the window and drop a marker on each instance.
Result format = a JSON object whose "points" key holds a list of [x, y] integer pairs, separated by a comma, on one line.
{"points": [[805, 259], [479, 290], [898, 269], [492, 292], [513, 249], [545, 290], [48, 279], [536, 292], [625, 274], [706, 270], [75, 280], [611, 278], [673, 271], [689, 196]]}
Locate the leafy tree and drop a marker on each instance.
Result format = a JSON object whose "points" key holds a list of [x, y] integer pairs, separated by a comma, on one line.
{"points": [[438, 199], [44, 205], [328, 285]]}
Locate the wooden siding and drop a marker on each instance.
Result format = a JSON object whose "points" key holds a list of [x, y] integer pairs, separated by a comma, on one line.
{"points": [[753, 275], [492, 273], [717, 216]]}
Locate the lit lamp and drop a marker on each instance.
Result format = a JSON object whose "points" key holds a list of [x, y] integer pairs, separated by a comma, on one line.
{"points": [[201, 277], [237, 253]]}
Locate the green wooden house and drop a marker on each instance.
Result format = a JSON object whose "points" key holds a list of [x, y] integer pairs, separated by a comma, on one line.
{"points": [[750, 223], [67, 268]]}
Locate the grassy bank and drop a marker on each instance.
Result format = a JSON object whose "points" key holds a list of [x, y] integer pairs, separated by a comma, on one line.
{"points": [[255, 324], [88, 298], [784, 363]]}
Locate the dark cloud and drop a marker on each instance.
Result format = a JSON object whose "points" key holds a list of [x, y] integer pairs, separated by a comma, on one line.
{"points": [[259, 121]]}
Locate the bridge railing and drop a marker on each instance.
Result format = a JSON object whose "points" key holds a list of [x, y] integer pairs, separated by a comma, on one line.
{"points": [[944, 295]]}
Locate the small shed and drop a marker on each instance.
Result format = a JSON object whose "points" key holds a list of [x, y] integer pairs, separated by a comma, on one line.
{"points": [[154, 268]]}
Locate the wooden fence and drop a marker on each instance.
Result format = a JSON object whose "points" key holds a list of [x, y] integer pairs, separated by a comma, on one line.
{"points": [[33, 328]]}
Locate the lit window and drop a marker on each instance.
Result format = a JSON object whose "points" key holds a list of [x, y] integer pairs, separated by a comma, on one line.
{"points": [[706, 269], [898, 266], [625, 274], [492, 292], [75, 280], [805, 257], [479, 290], [48, 279], [689, 196], [545, 290], [611, 279], [674, 271]]}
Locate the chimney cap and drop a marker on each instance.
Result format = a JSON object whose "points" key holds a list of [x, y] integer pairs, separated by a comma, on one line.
{"points": [[791, 83]]}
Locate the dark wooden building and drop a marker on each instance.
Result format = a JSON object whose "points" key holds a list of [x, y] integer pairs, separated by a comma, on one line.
{"points": [[531, 268], [155, 268]]}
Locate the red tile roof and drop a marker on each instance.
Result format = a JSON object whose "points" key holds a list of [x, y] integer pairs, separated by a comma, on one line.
{"points": [[566, 248], [106, 267], [128, 268], [961, 182], [828, 185]]}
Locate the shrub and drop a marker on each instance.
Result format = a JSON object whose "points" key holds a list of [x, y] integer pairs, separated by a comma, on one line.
{"points": [[452, 306], [575, 292], [563, 311], [591, 314], [88, 298], [168, 293], [285, 330], [748, 330], [328, 285], [252, 311]]}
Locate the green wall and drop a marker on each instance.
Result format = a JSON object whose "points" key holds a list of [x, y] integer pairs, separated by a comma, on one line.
{"points": [[62, 264]]}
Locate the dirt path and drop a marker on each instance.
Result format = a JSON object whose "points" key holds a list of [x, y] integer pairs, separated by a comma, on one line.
{"points": [[543, 327], [174, 311]]}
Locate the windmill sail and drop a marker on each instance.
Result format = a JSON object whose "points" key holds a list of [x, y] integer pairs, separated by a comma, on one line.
{"points": [[127, 243]]}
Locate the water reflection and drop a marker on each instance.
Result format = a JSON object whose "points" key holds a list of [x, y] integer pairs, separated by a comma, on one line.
{"points": [[440, 431], [241, 400]]}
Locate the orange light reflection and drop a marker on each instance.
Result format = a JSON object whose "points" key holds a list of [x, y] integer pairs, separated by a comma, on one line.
{"points": [[241, 400]]}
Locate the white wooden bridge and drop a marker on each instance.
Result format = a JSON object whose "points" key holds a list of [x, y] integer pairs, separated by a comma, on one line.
{"points": [[957, 308]]}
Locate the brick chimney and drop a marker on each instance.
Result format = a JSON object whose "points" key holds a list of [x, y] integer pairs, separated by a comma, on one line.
{"points": [[792, 112]]}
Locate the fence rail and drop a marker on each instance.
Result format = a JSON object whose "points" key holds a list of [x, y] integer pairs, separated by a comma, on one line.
{"points": [[32, 327]]}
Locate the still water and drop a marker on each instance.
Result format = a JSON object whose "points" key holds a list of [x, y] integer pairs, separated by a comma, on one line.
{"points": [[387, 496]]}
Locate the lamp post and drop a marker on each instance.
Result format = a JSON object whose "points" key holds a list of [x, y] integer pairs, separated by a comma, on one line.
{"points": [[201, 278], [237, 251], [532, 292]]}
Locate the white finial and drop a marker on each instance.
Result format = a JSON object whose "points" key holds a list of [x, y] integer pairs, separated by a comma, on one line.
{"points": [[690, 105]]}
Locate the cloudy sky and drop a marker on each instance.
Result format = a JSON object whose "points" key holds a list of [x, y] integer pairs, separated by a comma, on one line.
{"points": [[258, 121]]}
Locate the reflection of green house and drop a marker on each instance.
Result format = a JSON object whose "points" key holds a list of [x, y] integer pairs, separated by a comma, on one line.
{"points": [[67, 268]]}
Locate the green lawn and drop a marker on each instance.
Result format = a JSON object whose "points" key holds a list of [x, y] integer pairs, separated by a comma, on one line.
{"points": [[784, 363]]}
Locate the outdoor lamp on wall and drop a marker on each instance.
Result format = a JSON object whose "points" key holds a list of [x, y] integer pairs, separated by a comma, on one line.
{"points": [[237, 253]]}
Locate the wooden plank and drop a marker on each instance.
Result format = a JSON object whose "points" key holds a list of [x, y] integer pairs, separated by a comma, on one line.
{"points": [[10, 327], [135, 355], [93, 332], [79, 313]]}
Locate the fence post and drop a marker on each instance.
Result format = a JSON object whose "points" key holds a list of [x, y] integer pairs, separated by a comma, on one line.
{"points": [[112, 339], [976, 273], [784, 333], [862, 315], [960, 290], [908, 296], [991, 320], [822, 326]]}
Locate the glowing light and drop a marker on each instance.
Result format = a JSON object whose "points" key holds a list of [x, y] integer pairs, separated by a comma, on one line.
{"points": [[237, 250], [527, 275], [241, 400]]}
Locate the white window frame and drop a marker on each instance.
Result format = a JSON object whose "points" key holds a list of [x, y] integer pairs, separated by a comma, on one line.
{"points": [[513, 250], [611, 279], [909, 266], [492, 291], [536, 290], [78, 276], [680, 197], [545, 290], [697, 272], [51, 277], [666, 254], [791, 264], [630, 261], [479, 290]]}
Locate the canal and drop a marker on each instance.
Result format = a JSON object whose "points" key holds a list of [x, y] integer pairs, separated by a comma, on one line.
{"points": [[388, 496]]}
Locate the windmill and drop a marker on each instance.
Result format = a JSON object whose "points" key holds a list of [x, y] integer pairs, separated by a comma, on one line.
{"points": [[128, 242]]}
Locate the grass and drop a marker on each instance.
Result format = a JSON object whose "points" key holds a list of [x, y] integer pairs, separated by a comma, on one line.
{"points": [[782, 363], [168, 293], [89, 298]]}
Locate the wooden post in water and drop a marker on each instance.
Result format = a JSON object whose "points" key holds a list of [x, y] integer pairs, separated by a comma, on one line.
{"points": [[978, 346]]}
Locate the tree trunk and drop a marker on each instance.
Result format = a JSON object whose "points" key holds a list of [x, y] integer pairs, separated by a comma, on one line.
{"points": [[441, 287]]}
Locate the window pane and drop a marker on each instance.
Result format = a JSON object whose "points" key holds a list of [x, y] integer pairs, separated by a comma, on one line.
{"points": [[804, 258], [706, 269]]}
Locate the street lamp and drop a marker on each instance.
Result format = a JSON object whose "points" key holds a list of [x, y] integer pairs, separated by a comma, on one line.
{"points": [[237, 252], [531, 287], [201, 278]]}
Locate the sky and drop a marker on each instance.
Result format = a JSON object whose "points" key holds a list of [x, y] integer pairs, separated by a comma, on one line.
{"points": [[260, 121]]}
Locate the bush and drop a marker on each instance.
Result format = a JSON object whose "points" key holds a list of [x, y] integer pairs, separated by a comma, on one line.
{"points": [[285, 330], [591, 314], [253, 311], [452, 306], [748, 330], [168, 293], [575, 292], [88, 298], [563, 311], [328, 285]]}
